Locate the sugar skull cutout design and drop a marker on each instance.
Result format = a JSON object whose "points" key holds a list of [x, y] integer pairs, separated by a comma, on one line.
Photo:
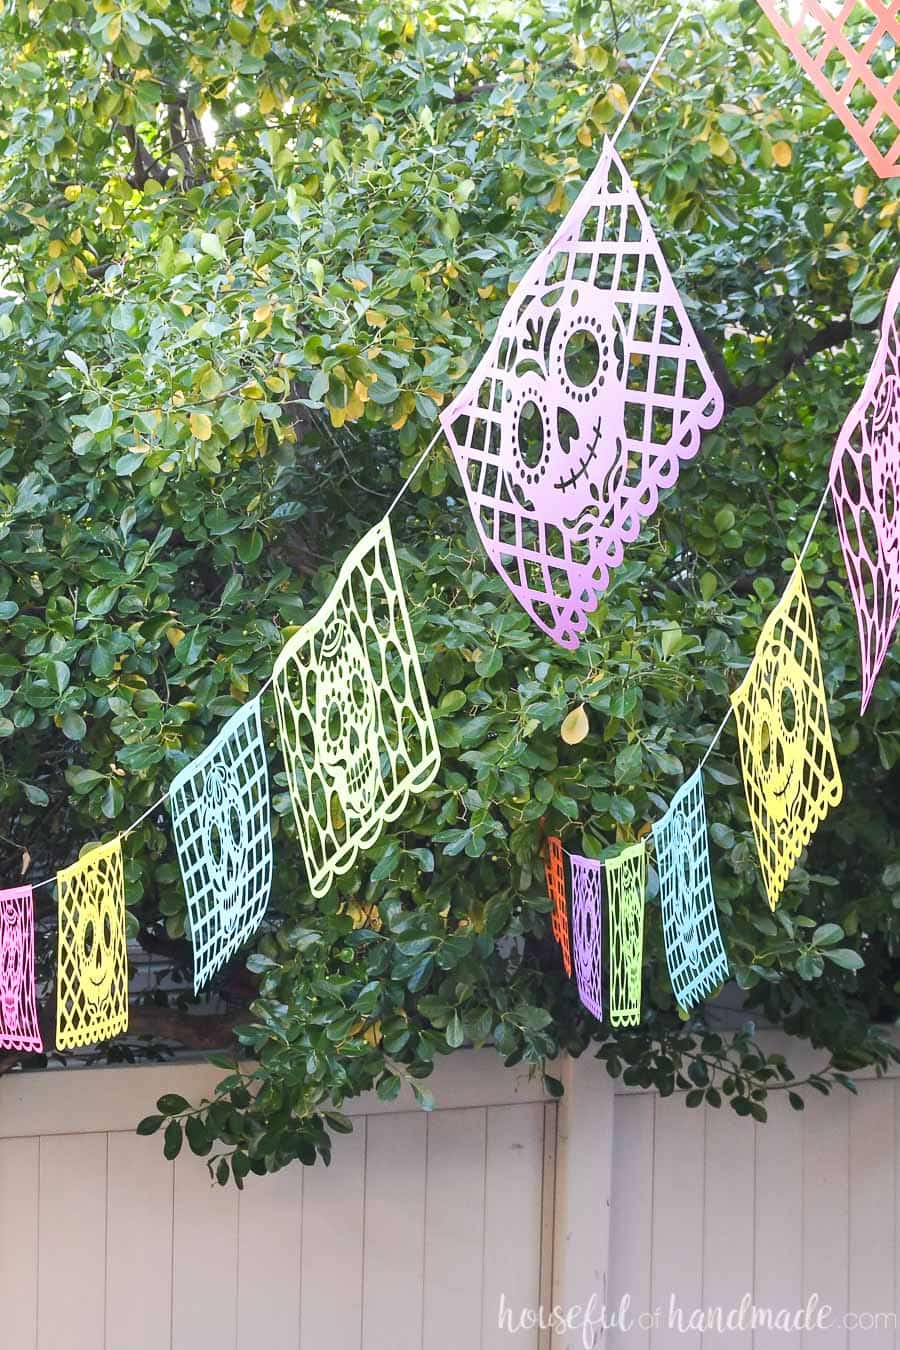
{"points": [[345, 714], [555, 876], [92, 979], [865, 487], [850, 49], [354, 722], [626, 886], [222, 827], [587, 930], [791, 776], [693, 942], [591, 393], [19, 1028]]}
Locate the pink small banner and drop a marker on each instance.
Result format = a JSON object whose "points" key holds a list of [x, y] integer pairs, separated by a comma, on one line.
{"points": [[19, 1028]]}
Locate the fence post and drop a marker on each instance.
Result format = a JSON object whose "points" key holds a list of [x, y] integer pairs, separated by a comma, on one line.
{"points": [[582, 1199]]}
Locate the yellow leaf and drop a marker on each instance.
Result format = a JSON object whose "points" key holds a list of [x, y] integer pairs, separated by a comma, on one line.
{"points": [[860, 196], [485, 292], [201, 426], [558, 200], [355, 407], [782, 154], [718, 144], [575, 726], [361, 391], [55, 248], [584, 136], [268, 101], [399, 422], [358, 284], [617, 96], [338, 416], [72, 192], [113, 28], [174, 635], [375, 318], [261, 313]]}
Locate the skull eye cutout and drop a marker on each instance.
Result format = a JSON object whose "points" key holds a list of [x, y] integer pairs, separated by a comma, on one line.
{"points": [[791, 776], [695, 954], [220, 819], [592, 391], [19, 1028], [865, 487], [92, 977]]}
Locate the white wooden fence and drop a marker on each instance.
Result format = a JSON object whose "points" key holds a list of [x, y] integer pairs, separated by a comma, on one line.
{"points": [[461, 1230]]}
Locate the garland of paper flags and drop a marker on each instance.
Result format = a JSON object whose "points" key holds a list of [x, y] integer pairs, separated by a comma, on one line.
{"points": [[591, 394]]}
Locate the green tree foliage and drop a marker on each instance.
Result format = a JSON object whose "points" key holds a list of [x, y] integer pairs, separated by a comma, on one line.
{"points": [[246, 254]]}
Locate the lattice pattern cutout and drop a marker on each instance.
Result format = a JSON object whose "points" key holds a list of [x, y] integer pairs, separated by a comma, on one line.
{"points": [[220, 819], [694, 951], [587, 930], [555, 873], [592, 391], [356, 728], [92, 974], [626, 885], [865, 485], [791, 776], [850, 49], [19, 1028]]}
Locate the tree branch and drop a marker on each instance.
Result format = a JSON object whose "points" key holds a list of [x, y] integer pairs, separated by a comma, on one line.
{"points": [[795, 353], [213, 1032]]}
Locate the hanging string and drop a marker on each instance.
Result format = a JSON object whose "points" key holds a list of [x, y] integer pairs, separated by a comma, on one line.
{"points": [[419, 462], [161, 801], [649, 75]]}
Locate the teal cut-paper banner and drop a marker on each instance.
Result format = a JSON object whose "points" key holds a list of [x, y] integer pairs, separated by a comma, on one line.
{"points": [[221, 822], [693, 941]]}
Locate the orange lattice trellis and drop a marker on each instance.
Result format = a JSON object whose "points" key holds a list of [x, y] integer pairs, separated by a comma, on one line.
{"points": [[849, 49]]}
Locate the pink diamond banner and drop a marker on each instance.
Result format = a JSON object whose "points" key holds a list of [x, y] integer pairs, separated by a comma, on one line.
{"points": [[19, 1028], [865, 487], [849, 49], [592, 391]]}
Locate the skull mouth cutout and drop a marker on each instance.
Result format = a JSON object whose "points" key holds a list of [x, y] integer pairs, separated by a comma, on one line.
{"points": [[781, 716], [564, 440], [345, 723], [12, 963], [95, 943], [684, 882], [225, 837], [885, 467]]}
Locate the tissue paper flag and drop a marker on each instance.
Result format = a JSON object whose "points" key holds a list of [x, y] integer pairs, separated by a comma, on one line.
{"points": [[791, 776], [694, 952], [865, 485], [850, 51], [355, 724], [587, 930], [220, 819], [92, 972], [18, 1000], [592, 391], [626, 885], [555, 875]]}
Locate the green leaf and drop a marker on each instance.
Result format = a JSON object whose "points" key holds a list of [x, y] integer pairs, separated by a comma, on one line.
{"points": [[150, 1124], [173, 1140]]}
